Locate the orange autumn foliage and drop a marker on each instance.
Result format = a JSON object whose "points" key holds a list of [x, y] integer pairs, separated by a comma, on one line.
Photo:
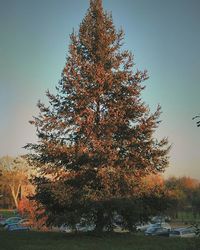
{"points": [[189, 183], [30, 209], [152, 181]]}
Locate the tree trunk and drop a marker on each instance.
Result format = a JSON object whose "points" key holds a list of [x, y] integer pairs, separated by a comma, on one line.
{"points": [[15, 195], [14, 198]]}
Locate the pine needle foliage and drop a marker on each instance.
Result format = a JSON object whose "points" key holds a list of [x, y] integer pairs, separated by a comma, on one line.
{"points": [[96, 137]]}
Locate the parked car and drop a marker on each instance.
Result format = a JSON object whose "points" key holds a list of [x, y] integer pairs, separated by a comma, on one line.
{"points": [[65, 228], [143, 226], [187, 232], [162, 228], [11, 220], [22, 223], [17, 227], [85, 228], [160, 224], [2, 220], [157, 231], [25, 222]]}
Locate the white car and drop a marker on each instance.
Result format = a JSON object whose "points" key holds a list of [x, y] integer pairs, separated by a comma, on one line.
{"points": [[186, 232], [143, 227], [65, 228]]}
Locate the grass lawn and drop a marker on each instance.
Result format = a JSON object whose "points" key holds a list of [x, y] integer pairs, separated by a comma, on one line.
{"points": [[188, 217], [63, 241], [7, 213]]}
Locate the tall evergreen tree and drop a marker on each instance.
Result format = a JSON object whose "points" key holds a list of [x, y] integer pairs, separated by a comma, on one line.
{"points": [[96, 136]]}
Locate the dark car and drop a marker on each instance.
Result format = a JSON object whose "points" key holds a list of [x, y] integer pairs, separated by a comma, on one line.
{"points": [[157, 231]]}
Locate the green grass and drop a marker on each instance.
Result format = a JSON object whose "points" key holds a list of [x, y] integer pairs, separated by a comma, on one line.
{"points": [[62, 241], [188, 216], [7, 213]]}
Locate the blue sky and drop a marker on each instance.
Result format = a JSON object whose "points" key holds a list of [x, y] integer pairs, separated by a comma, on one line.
{"points": [[163, 35]]}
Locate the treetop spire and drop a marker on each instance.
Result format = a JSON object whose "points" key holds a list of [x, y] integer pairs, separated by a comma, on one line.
{"points": [[96, 6], [97, 3]]}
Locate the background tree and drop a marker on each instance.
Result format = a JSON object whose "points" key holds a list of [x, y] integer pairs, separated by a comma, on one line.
{"points": [[31, 209], [198, 120], [95, 139], [14, 178], [183, 194], [6, 200], [176, 196], [196, 201], [153, 200]]}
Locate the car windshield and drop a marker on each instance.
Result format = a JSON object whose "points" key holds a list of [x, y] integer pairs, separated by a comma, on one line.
{"points": [[156, 225]]}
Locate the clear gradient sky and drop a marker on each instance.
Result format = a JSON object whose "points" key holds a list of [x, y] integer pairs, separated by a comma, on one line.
{"points": [[163, 35]]}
